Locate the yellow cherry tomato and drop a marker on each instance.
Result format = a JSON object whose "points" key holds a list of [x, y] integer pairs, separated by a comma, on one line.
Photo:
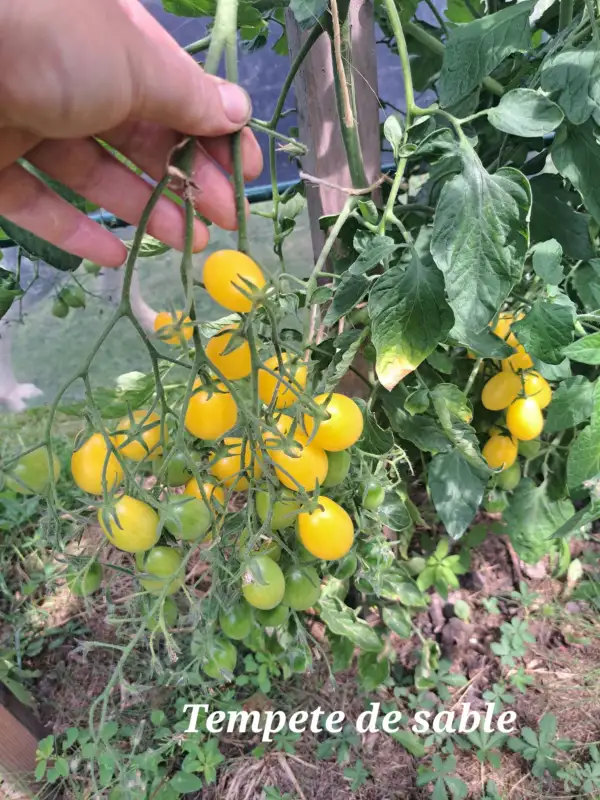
{"points": [[130, 525], [520, 360], [524, 419], [232, 469], [230, 276], [235, 364], [210, 491], [298, 464], [500, 391], [211, 412], [538, 388], [146, 427], [89, 464], [500, 452], [327, 533], [343, 427], [169, 330], [283, 388]]}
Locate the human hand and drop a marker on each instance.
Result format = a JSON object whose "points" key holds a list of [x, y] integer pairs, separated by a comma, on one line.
{"points": [[75, 73]]}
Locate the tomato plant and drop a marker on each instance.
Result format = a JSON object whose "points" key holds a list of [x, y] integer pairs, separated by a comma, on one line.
{"points": [[163, 564], [130, 524], [85, 582], [31, 473], [236, 622], [263, 584], [93, 466]]}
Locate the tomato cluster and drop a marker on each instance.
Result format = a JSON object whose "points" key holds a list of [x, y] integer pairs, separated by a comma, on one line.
{"points": [[280, 464]]}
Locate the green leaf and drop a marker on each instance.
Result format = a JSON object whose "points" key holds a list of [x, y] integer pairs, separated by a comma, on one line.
{"points": [[473, 51], [395, 587], [454, 412], [19, 691], [547, 257], [342, 650], [583, 462], [380, 248], [398, 620], [409, 317], [587, 283], [190, 8], [484, 343], [150, 247], [553, 216], [547, 329], [374, 439], [372, 670], [393, 132], [39, 248], [456, 490], [572, 403], [184, 782], [410, 742], [480, 238], [393, 512], [9, 290], [575, 153], [343, 621], [525, 112], [532, 518], [585, 350], [343, 357], [349, 291], [422, 430], [583, 517], [417, 402], [460, 11], [575, 76], [307, 12]]}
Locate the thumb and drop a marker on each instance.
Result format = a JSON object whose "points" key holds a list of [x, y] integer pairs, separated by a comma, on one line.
{"points": [[170, 88]]}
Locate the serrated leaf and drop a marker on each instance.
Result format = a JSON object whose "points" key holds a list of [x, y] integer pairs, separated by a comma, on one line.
{"points": [[576, 155], [39, 248], [422, 430], [585, 350], [374, 439], [150, 247], [484, 343], [553, 216], [409, 317], [349, 291], [343, 358], [547, 257], [546, 330], [480, 238], [574, 75], [473, 51], [398, 620], [456, 490], [583, 462], [586, 281], [372, 670], [532, 518], [525, 112], [380, 248], [572, 403], [307, 12], [342, 620], [454, 412], [393, 512]]}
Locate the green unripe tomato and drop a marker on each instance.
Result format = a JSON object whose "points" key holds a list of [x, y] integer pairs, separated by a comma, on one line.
{"points": [[176, 472], [264, 547], [273, 617], [73, 296], [302, 588], [187, 518], [346, 567], [220, 661], [90, 267], [339, 466], [162, 562], [495, 502], [510, 478], [359, 316], [373, 496], [170, 614], [530, 449], [31, 473], [236, 622], [59, 308], [263, 584], [81, 584], [285, 509]]}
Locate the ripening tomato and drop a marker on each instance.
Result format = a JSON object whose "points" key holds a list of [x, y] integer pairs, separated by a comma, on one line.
{"points": [[170, 612], [520, 360], [263, 583], [81, 583], [171, 330], [130, 525], [302, 588], [231, 278], [212, 493], [298, 465], [31, 473], [163, 564], [141, 439], [327, 532], [285, 509], [272, 617], [89, 465], [236, 622], [343, 426], [503, 323], [234, 364], [211, 413], [538, 388], [524, 419], [232, 468], [220, 660], [338, 467], [281, 391], [510, 478], [500, 391], [500, 452], [176, 473], [187, 518]]}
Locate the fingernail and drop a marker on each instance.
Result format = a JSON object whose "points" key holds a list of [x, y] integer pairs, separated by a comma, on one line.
{"points": [[235, 102]]}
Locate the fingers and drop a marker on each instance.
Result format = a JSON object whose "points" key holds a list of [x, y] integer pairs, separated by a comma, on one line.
{"points": [[90, 170], [219, 148], [14, 143], [29, 203]]}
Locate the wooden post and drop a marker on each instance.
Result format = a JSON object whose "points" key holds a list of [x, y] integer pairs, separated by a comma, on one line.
{"points": [[19, 736], [318, 119]]}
